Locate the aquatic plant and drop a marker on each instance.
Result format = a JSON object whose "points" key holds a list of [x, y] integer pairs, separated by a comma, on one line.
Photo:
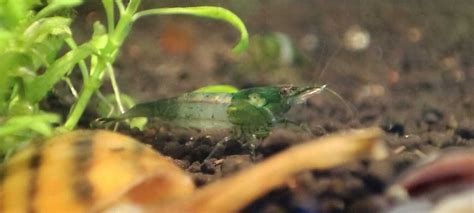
{"points": [[33, 37]]}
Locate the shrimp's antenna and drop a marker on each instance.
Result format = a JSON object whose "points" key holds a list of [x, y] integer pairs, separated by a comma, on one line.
{"points": [[328, 62], [351, 108]]}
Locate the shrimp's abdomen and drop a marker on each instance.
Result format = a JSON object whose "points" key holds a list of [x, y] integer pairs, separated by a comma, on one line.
{"points": [[193, 110]]}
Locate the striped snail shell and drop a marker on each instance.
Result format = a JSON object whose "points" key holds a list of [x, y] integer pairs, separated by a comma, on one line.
{"points": [[87, 171]]}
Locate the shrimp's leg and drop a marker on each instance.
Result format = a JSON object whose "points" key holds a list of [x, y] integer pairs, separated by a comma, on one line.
{"points": [[252, 138], [294, 126], [252, 143], [248, 137], [218, 145]]}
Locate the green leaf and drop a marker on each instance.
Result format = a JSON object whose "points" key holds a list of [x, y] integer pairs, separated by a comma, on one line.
{"points": [[44, 37], [39, 45], [18, 130], [41, 123], [99, 36], [44, 53], [64, 2], [5, 37], [57, 5], [39, 30], [218, 13], [16, 64], [12, 12], [5, 87], [38, 87]]}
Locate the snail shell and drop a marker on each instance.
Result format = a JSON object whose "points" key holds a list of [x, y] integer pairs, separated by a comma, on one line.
{"points": [[99, 171], [443, 183], [86, 171]]}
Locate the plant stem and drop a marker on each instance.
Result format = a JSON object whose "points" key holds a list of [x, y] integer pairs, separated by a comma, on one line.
{"points": [[107, 56], [115, 87], [90, 86]]}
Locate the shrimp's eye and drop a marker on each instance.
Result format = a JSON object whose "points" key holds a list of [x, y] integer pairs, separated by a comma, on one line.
{"points": [[286, 91]]}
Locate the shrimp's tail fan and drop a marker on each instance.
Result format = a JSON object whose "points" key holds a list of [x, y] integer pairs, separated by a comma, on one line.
{"points": [[106, 123]]}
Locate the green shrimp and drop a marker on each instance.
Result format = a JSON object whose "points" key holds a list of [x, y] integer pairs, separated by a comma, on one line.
{"points": [[251, 113]]}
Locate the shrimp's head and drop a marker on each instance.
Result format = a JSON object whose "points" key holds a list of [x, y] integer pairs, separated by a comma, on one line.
{"points": [[277, 99], [298, 95]]}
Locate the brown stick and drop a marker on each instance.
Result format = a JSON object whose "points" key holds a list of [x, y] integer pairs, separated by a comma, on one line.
{"points": [[234, 193]]}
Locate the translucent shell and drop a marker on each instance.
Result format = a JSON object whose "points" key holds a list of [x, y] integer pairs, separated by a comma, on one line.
{"points": [[84, 171]]}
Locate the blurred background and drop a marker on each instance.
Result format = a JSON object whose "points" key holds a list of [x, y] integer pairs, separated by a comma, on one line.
{"points": [[403, 53]]}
